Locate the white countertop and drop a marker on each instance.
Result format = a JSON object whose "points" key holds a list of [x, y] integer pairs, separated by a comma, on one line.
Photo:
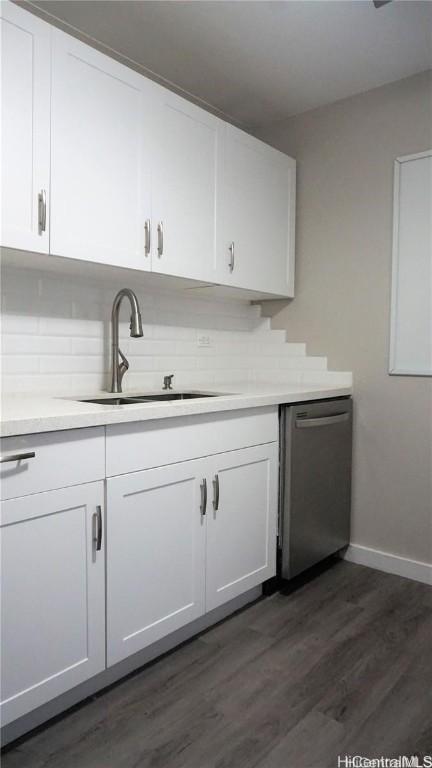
{"points": [[25, 414]]}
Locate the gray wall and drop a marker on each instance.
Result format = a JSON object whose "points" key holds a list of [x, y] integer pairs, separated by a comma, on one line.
{"points": [[345, 154]]}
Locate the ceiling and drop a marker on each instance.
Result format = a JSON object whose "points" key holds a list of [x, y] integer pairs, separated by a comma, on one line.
{"points": [[258, 62]]}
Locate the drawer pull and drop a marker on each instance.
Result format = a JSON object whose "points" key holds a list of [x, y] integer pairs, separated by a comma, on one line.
{"points": [[97, 529], [203, 505], [42, 211], [160, 235], [232, 257], [147, 234], [216, 493], [17, 457]]}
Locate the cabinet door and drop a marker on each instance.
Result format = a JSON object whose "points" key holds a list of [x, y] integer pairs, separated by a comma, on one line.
{"points": [[184, 188], [99, 178], [155, 556], [241, 522], [52, 596], [25, 130], [256, 215]]}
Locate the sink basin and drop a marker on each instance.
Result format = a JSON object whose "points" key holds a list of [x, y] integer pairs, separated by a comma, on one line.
{"points": [[172, 396], [134, 400], [111, 401]]}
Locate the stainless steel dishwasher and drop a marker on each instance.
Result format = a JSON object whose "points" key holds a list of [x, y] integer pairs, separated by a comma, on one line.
{"points": [[315, 482]]}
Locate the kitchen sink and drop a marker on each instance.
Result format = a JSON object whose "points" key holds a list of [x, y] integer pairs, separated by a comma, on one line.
{"points": [[174, 396], [111, 401], [136, 399]]}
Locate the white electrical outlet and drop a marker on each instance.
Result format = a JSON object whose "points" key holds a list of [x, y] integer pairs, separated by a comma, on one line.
{"points": [[204, 341]]}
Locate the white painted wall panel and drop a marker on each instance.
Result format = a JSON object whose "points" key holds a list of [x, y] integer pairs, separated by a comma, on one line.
{"points": [[411, 332]]}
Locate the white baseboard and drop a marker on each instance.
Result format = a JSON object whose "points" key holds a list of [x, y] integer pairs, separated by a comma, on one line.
{"points": [[384, 561]]}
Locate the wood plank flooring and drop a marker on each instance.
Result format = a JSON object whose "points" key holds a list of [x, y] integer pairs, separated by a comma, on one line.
{"points": [[342, 665]]}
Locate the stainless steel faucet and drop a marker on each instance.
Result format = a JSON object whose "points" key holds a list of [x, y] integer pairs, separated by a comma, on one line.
{"points": [[119, 362]]}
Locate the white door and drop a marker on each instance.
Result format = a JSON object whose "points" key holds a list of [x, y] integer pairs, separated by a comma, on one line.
{"points": [[155, 555], [184, 188], [52, 595], [256, 214], [25, 130], [241, 522], [100, 182]]}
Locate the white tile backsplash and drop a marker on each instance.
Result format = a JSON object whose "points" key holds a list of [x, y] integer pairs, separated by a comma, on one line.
{"points": [[56, 338]]}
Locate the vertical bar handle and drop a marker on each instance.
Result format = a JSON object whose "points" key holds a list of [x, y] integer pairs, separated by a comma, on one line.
{"points": [[42, 211], [216, 493], [160, 234], [232, 256], [97, 528], [203, 505], [147, 237]]}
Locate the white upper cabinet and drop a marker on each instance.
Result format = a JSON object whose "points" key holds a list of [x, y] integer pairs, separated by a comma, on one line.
{"points": [[184, 188], [101, 164], [25, 129], [100, 191], [256, 215]]}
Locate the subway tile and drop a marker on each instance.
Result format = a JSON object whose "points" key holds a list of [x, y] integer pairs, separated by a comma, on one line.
{"points": [[12, 364], [22, 344], [72, 364], [83, 346], [302, 363], [175, 363], [19, 324], [58, 340]]}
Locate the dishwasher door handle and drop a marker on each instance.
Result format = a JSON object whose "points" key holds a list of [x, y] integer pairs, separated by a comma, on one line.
{"points": [[322, 421]]}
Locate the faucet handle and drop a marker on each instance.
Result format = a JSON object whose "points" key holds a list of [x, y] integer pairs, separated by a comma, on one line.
{"points": [[168, 381], [123, 367]]}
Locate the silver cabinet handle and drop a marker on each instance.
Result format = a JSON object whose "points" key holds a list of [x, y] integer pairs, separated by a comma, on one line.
{"points": [[147, 237], [203, 505], [322, 421], [232, 257], [17, 457], [216, 493], [160, 234], [42, 211], [97, 529]]}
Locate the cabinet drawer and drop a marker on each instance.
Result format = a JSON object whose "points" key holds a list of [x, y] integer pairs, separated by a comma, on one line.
{"points": [[143, 445], [60, 459]]}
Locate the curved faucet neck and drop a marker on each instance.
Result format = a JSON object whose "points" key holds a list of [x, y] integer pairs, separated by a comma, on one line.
{"points": [[119, 368]]}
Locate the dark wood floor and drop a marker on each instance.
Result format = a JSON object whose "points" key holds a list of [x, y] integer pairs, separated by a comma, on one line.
{"points": [[341, 666]]}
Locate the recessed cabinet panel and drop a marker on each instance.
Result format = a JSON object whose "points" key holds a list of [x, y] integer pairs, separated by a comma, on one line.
{"points": [[184, 188], [155, 556], [241, 525], [25, 129], [52, 596], [100, 177], [256, 215]]}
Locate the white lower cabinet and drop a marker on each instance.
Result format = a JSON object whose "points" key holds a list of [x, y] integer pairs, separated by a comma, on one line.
{"points": [[80, 590], [52, 595], [241, 522], [155, 555], [184, 539]]}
